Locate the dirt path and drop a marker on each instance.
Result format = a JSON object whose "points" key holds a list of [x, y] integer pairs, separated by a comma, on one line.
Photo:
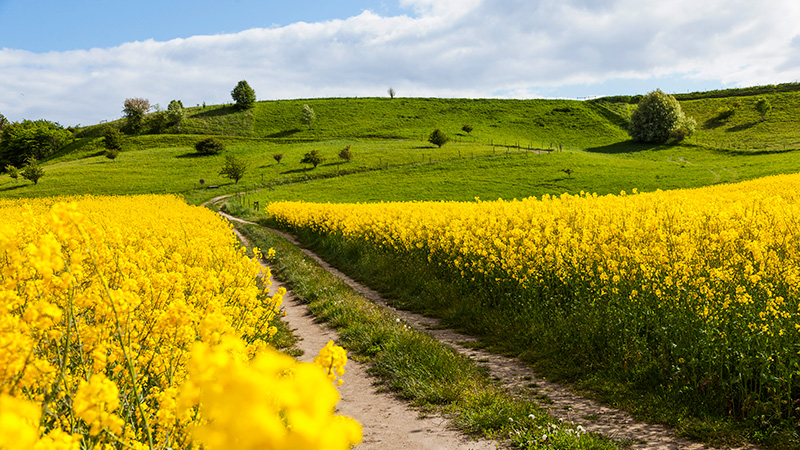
{"points": [[388, 423], [594, 416]]}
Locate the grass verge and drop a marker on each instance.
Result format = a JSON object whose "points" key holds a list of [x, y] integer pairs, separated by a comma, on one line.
{"points": [[417, 367]]}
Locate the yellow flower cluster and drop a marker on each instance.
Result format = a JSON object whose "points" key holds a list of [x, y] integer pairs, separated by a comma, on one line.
{"points": [[332, 358], [719, 265], [140, 322]]}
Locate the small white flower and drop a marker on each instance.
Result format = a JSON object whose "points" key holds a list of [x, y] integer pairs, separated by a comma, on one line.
{"points": [[397, 320], [581, 429], [510, 419], [531, 416]]}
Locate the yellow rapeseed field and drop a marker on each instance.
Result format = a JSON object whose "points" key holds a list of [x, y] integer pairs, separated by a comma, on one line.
{"points": [[701, 284], [139, 322]]}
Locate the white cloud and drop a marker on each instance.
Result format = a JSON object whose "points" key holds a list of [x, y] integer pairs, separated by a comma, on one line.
{"points": [[448, 48]]}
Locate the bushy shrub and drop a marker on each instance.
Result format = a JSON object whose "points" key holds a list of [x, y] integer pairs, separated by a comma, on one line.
{"points": [[13, 172], [346, 154], [763, 107], [112, 138], [32, 171], [111, 153], [467, 128], [655, 118], [209, 146], [313, 157], [438, 138], [277, 157]]}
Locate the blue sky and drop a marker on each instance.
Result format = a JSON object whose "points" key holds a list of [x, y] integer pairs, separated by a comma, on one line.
{"points": [[58, 25], [76, 62]]}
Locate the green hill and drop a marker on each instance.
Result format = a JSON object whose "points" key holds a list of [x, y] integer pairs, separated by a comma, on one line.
{"points": [[391, 133]]}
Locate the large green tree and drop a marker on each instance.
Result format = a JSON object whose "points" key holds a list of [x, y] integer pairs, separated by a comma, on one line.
{"points": [[31, 139], [134, 110], [243, 95], [657, 117]]}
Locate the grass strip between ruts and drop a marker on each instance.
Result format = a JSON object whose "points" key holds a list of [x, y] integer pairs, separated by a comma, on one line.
{"points": [[414, 365]]}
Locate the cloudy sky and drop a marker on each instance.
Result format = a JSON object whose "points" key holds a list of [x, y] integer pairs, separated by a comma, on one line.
{"points": [[76, 62]]}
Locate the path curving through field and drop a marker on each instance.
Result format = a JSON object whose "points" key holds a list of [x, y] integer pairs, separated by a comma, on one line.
{"points": [[510, 372], [388, 423]]}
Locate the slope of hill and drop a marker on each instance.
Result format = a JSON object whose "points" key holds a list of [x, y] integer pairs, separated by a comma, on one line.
{"points": [[387, 133]]}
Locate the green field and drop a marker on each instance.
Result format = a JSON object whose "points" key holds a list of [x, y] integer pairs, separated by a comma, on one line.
{"points": [[588, 139]]}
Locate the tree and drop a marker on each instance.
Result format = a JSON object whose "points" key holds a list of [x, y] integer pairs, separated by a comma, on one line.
{"points": [[313, 157], [13, 172], [176, 113], [763, 107], [656, 117], [308, 115], [32, 170], [209, 146], [134, 110], [391, 93], [438, 138], [112, 138], [234, 168], [243, 95], [3, 122], [467, 128], [346, 154], [31, 138], [277, 157]]}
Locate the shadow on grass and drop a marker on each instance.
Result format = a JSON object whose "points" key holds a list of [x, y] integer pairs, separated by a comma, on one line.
{"points": [[742, 127], [12, 188], [284, 133], [192, 155], [216, 112], [714, 122], [303, 170], [623, 147]]}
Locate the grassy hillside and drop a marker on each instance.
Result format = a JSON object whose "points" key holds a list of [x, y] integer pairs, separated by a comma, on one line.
{"points": [[390, 133]]}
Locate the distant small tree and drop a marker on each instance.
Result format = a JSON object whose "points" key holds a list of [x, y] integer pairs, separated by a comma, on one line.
{"points": [[32, 171], [391, 93], [277, 157], [234, 168], [467, 128], [308, 115], [111, 153], [438, 138], [112, 138], [13, 172], [209, 146], [134, 110], [243, 95], [346, 154], [3, 121], [176, 113], [313, 157], [656, 117], [763, 107]]}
